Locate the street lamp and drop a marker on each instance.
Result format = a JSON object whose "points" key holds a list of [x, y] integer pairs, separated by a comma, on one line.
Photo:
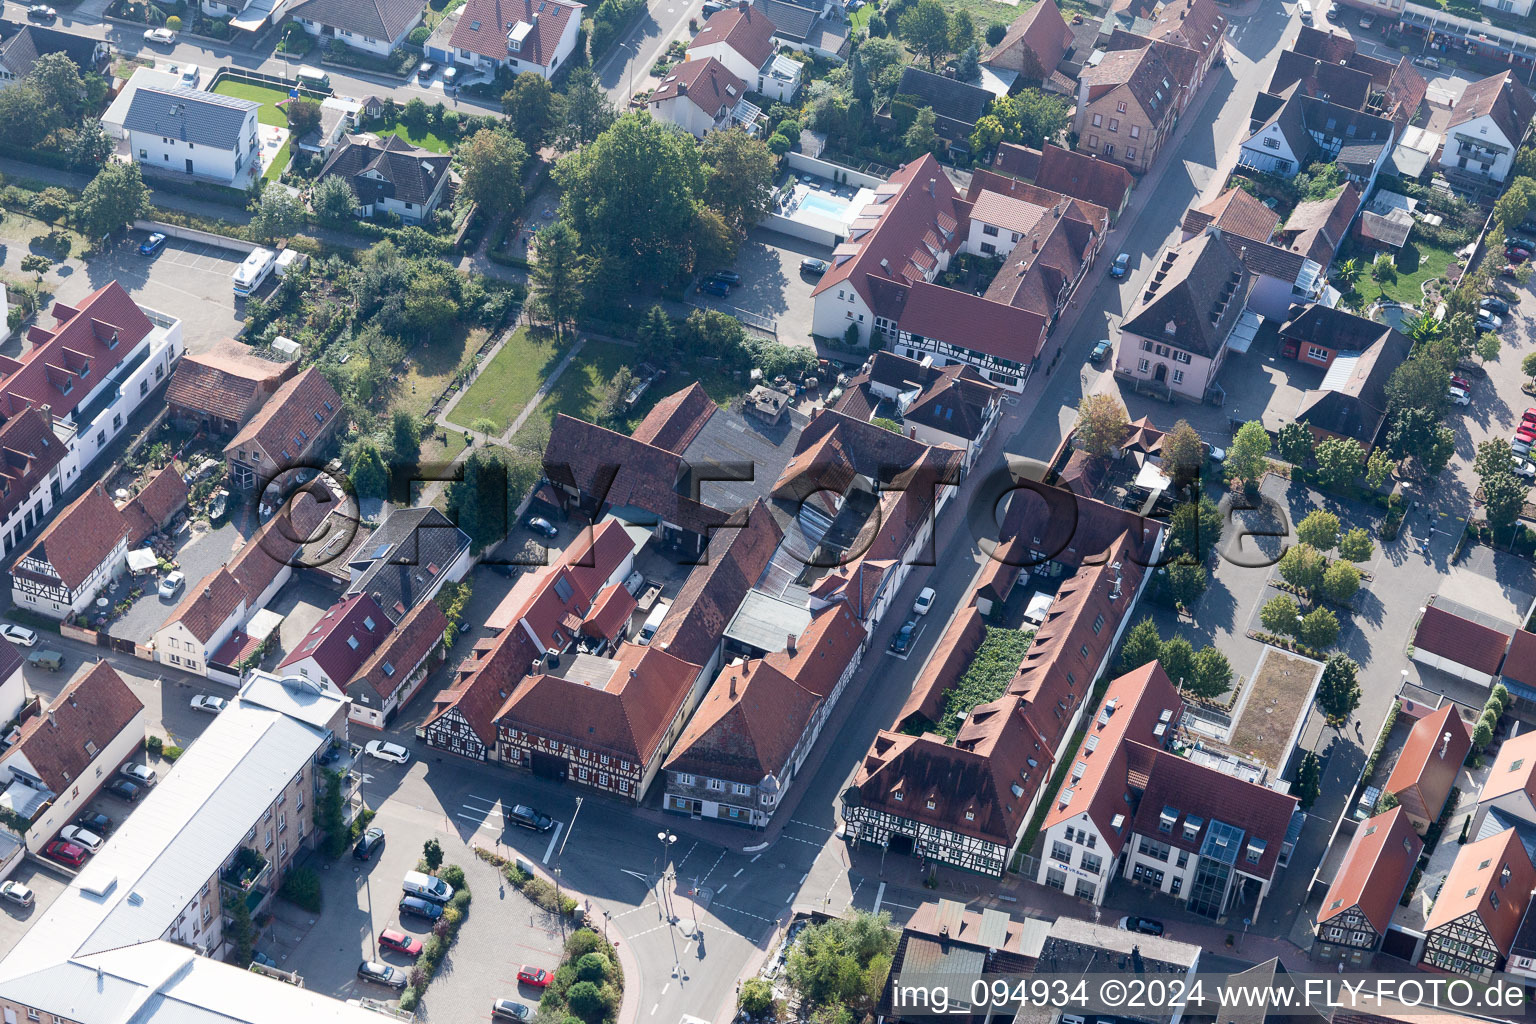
{"points": [[666, 839]]}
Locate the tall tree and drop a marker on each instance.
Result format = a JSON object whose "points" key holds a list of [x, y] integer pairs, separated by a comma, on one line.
{"points": [[1187, 580], [115, 197], [1280, 615], [25, 116], [1356, 545], [655, 336], [1183, 453], [1142, 644], [739, 177], [1503, 497], [405, 432], [1213, 674], [1338, 692], [1031, 117], [492, 171], [1418, 383], [530, 108], [631, 196], [58, 82], [558, 274], [962, 32], [1303, 566], [925, 29], [1339, 461], [1318, 628], [477, 501], [1195, 527], [582, 112], [858, 78], [1295, 443], [278, 215], [922, 135], [1320, 528], [334, 201], [1248, 455], [1101, 424], [1309, 780], [1178, 660]]}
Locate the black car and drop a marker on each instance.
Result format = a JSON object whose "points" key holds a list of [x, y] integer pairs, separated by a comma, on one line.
{"points": [[1494, 304], [383, 974], [903, 638], [99, 824], [368, 844], [125, 790], [1144, 925], [528, 817], [421, 908]]}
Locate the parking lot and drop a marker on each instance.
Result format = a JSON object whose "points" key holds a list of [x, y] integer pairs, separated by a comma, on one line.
{"points": [[186, 279], [502, 932], [772, 285], [46, 887]]}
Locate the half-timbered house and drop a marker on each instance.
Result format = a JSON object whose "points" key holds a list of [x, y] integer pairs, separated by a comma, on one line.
{"points": [[1473, 922], [1360, 902], [74, 558]]}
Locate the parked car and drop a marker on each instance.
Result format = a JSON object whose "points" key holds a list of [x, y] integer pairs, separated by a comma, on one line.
{"points": [[812, 265], [65, 853], [1121, 266], [399, 942], [714, 287], [1520, 448], [531, 818], [420, 908], [510, 1009], [368, 843], [387, 751], [14, 892], [924, 602], [1424, 60], [728, 276], [41, 12], [538, 524], [190, 75], [1509, 270], [45, 658], [1461, 382], [1525, 468], [258, 957], [1459, 397], [450, 76], [427, 887], [384, 974], [139, 774], [1306, 14], [1489, 321], [124, 790], [535, 976], [1100, 351], [172, 583], [163, 36], [1144, 925], [1515, 254], [153, 244], [19, 635], [1334, 13], [80, 837], [426, 69], [1366, 21], [1494, 304], [209, 703], [98, 823], [1526, 433], [903, 638]]}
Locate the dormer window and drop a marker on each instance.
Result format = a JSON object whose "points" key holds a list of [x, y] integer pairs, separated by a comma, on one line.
{"points": [[1170, 328], [112, 341]]}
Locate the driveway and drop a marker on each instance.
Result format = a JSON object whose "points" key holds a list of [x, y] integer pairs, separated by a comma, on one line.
{"points": [[199, 556], [46, 887]]}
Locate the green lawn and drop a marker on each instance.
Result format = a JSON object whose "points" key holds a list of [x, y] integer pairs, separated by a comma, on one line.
{"points": [[1416, 262], [266, 95], [278, 165], [425, 141], [510, 380], [432, 367]]}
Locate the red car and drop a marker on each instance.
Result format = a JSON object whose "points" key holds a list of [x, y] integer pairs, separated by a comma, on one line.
{"points": [[536, 976], [400, 943], [66, 853], [1461, 382], [1526, 432], [1516, 255], [1530, 414]]}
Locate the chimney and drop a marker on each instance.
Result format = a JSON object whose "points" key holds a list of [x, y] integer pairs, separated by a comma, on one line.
{"points": [[51, 720], [1182, 13], [931, 183], [789, 644], [682, 88], [1445, 744], [733, 686], [1034, 245]]}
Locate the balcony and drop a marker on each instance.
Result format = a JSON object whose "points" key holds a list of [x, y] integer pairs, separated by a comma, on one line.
{"points": [[247, 871]]}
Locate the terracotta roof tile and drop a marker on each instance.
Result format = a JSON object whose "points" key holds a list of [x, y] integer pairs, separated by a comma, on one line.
{"points": [[345, 636], [29, 450], [1468, 643], [1520, 662], [301, 410], [402, 650], [707, 83], [1513, 770], [1501, 97], [1016, 160], [743, 28], [1428, 761], [484, 25], [61, 743], [92, 338], [677, 419], [1084, 177], [228, 381], [610, 612], [1375, 870], [153, 508], [1035, 43], [1477, 873], [1236, 212], [714, 590], [208, 604], [79, 539]]}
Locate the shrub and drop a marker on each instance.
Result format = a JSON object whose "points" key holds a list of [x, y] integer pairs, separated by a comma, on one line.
{"points": [[302, 888], [171, 753], [586, 1001], [454, 876], [419, 35], [592, 967], [154, 745]]}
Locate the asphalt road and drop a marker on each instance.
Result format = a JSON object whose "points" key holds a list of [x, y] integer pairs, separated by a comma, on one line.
{"points": [[626, 68]]}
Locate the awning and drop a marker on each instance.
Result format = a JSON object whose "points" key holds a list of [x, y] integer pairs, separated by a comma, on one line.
{"points": [[24, 800], [1242, 335], [1152, 478], [142, 560]]}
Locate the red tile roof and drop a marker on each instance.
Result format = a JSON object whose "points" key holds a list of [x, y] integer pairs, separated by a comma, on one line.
{"points": [[1471, 644], [79, 539], [1514, 770], [755, 714], [228, 381], [744, 28], [29, 450], [402, 650], [1520, 662], [1429, 761], [301, 410], [153, 508], [1477, 873], [61, 743], [1016, 160], [1133, 707], [91, 339], [610, 612], [1316, 229], [484, 24], [1503, 98], [1193, 790], [596, 555], [627, 716], [1196, 24], [273, 547], [1234, 211], [1035, 43], [209, 604], [344, 637], [677, 419], [236, 649], [1084, 177], [484, 680], [708, 83], [1376, 868]]}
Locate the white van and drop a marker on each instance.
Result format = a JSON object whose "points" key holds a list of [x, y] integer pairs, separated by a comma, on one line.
{"points": [[653, 622], [249, 275], [309, 78], [427, 887]]}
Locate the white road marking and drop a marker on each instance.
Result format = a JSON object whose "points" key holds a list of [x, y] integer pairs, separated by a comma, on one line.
{"points": [[549, 851], [680, 863], [879, 896], [738, 872], [712, 869], [480, 822], [791, 896], [806, 824], [637, 876], [665, 987], [754, 859], [721, 889], [655, 1008], [804, 877], [903, 906]]}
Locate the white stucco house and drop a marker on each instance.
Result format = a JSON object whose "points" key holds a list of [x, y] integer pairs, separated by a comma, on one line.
{"points": [[741, 38], [191, 133], [701, 96], [1487, 126], [518, 35], [389, 175]]}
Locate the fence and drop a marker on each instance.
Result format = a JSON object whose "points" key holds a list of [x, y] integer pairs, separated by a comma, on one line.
{"points": [[195, 235], [765, 325], [259, 78], [827, 169]]}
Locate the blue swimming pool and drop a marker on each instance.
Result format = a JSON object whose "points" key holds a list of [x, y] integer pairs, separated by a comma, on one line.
{"points": [[827, 206]]}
